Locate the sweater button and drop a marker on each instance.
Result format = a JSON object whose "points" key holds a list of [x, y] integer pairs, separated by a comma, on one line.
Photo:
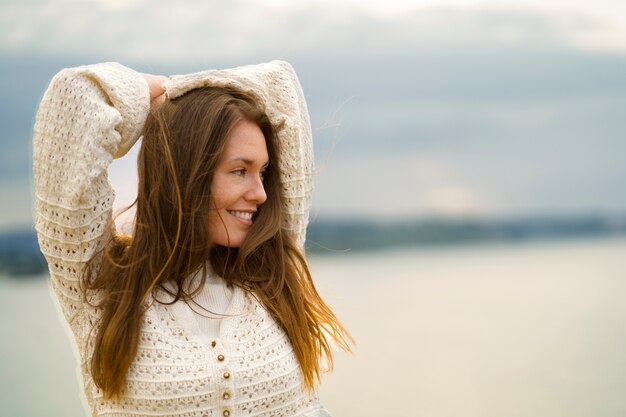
{"points": [[226, 413], [220, 358], [213, 343], [226, 396], [226, 375]]}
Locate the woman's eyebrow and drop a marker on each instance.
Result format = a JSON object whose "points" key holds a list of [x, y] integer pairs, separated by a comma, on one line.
{"points": [[248, 161]]}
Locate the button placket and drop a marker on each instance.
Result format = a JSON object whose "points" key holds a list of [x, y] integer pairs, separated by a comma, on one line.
{"points": [[225, 384]]}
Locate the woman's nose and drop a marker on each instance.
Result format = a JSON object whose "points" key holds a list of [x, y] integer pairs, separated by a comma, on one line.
{"points": [[257, 191]]}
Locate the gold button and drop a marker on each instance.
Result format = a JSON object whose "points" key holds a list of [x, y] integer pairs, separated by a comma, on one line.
{"points": [[226, 413], [226, 375], [226, 396], [220, 358], [213, 343]]}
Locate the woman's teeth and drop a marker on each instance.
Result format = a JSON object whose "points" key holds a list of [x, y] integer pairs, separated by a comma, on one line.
{"points": [[246, 215]]}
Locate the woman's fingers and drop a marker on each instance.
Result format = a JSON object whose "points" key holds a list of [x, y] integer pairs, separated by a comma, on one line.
{"points": [[155, 82]]}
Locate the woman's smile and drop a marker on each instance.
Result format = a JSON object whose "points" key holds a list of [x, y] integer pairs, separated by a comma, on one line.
{"points": [[244, 216]]}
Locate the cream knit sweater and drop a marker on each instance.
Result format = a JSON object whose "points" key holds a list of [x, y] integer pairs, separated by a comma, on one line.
{"points": [[88, 116]]}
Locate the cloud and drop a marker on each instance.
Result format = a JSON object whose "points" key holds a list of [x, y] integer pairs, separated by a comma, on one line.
{"points": [[442, 107], [209, 30], [388, 186]]}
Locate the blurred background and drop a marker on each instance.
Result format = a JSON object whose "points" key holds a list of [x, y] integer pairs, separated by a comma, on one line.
{"points": [[469, 218]]}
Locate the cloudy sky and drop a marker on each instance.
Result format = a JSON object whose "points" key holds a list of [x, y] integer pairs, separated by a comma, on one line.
{"points": [[419, 108]]}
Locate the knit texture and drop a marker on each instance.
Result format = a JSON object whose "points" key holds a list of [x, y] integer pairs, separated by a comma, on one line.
{"points": [[211, 302], [87, 116]]}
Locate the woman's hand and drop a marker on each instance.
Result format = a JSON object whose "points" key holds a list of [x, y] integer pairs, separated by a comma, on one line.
{"points": [[155, 82]]}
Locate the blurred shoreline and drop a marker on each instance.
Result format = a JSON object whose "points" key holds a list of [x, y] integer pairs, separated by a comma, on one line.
{"points": [[20, 255]]}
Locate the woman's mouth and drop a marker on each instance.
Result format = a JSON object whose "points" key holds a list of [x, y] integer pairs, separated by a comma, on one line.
{"points": [[244, 216]]}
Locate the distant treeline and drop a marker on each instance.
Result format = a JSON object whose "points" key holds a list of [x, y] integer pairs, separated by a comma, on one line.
{"points": [[338, 235], [20, 255]]}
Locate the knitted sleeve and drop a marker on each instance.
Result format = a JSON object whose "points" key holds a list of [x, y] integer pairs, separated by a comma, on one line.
{"points": [[87, 116], [277, 89]]}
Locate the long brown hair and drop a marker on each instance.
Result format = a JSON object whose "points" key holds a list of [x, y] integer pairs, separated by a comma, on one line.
{"points": [[183, 140]]}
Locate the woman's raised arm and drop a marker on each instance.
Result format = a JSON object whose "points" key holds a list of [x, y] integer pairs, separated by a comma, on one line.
{"points": [[88, 116]]}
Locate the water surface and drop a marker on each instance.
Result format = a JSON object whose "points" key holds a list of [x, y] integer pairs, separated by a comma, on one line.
{"points": [[488, 331]]}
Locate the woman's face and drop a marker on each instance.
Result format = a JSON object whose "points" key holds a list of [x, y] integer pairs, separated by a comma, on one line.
{"points": [[237, 190]]}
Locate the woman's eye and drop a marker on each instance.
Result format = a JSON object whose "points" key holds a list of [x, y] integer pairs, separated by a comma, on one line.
{"points": [[240, 172], [262, 175]]}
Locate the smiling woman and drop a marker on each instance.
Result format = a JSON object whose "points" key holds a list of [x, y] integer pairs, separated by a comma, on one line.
{"points": [[208, 308], [237, 187]]}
